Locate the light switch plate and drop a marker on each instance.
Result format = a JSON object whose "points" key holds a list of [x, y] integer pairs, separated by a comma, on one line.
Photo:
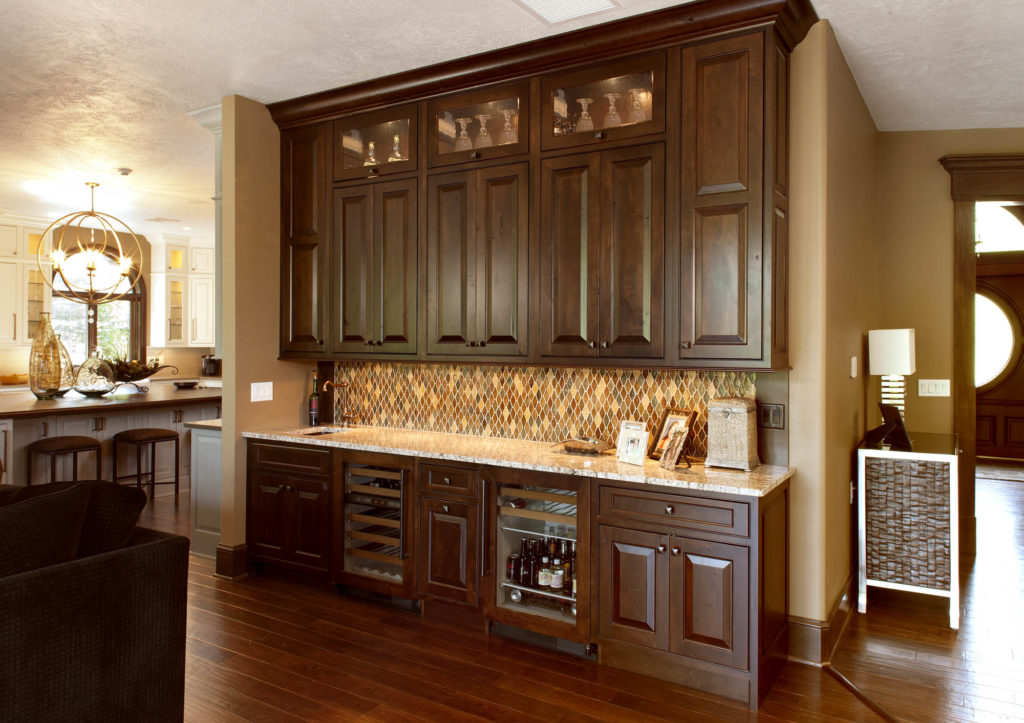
{"points": [[933, 387], [262, 392]]}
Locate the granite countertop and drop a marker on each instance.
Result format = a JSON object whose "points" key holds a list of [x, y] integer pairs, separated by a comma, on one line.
{"points": [[25, 404], [533, 455]]}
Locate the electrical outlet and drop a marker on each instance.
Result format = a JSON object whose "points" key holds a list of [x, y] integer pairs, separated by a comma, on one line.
{"points": [[933, 387], [771, 416], [262, 392]]}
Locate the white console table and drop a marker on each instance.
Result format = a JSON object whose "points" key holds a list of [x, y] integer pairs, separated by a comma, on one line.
{"points": [[908, 519]]}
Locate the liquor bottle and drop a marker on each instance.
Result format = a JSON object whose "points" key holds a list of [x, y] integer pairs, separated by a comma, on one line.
{"points": [[314, 403], [557, 575], [544, 578], [513, 567]]}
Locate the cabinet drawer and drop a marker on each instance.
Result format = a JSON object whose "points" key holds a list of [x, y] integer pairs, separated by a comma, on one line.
{"points": [[450, 480], [695, 513], [291, 458]]}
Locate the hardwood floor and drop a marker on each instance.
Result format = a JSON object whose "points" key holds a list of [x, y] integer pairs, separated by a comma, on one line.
{"points": [[265, 649]]}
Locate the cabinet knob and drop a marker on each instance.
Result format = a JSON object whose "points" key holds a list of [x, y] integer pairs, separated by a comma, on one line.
{"points": [[661, 548], [669, 509], [320, 342], [675, 550], [481, 343], [685, 345], [447, 480], [474, 155], [591, 344], [379, 342], [368, 342], [444, 508], [599, 135], [604, 345], [374, 171]]}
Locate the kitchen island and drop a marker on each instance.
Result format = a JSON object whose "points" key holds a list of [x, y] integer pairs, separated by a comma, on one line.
{"points": [[679, 574], [24, 419]]}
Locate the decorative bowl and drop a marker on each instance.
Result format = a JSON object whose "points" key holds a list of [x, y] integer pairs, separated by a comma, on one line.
{"points": [[133, 371], [185, 385]]}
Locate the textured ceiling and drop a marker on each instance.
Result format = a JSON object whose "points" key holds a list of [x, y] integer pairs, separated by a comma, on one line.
{"points": [[91, 86]]}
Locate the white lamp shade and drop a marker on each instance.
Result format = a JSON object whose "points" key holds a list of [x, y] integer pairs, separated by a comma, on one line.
{"points": [[891, 352]]}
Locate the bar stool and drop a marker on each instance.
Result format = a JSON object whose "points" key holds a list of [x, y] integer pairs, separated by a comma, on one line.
{"points": [[140, 438], [56, 446]]}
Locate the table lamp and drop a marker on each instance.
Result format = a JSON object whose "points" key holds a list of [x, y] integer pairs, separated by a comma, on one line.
{"points": [[891, 356]]}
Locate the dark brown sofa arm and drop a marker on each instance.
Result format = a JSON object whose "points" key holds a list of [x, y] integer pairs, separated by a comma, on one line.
{"points": [[99, 638]]}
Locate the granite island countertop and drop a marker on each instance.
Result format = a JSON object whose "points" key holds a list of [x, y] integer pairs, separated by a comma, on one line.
{"points": [[25, 404], [533, 455]]}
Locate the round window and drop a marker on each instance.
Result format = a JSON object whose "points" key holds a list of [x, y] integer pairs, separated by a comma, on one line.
{"points": [[993, 340]]}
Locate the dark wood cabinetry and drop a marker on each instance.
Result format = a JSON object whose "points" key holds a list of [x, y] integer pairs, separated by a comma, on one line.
{"points": [[449, 536], [288, 521], [650, 207], [375, 260], [477, 251], [602, 254], [691, 587], [304, 188]]}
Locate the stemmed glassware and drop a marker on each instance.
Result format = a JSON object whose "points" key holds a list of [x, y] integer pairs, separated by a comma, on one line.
{"points": [[483, 138], [462, 141], [371, 155], [396, 149], [636, 109], [612, 118], [584, 123], [508, 133]]}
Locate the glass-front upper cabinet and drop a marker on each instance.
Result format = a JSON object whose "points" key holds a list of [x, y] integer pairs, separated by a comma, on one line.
{"points": [[488, 123], [374, 144], [619, 100]]}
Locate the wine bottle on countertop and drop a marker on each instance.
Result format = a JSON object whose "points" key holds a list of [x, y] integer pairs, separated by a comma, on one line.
{"points": [[314, 403]]}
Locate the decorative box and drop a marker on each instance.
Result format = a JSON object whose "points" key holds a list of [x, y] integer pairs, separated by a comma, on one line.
{"points": [[732, 433]]}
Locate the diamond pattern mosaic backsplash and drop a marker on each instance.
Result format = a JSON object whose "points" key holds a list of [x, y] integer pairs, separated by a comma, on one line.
{"points": [[533, 403]]}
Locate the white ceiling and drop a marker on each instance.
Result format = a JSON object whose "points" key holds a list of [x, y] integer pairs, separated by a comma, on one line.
{"points": [[94, 85]]}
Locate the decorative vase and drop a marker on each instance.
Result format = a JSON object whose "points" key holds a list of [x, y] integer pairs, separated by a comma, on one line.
{"points": [[67, 369], [95, 377], [44, 369]]}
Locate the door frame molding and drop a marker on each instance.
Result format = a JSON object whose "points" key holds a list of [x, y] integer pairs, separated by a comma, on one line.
{"points": [[973, 177]]}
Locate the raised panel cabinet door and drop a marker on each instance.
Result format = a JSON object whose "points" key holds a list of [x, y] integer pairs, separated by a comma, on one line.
{"points": [[448, 544], [304, 157], [310, 523], [10, 300], [570, 255], [202, 307], [502, 260], [268, 510], [633, 252], [451, 263], [722, 252], [633, 571], [353, 238], [395, 267], [709, 601]]}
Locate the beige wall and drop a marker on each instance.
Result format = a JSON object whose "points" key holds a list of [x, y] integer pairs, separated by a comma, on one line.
{"points": [[832, 264], [251, 247], [916, 233]]}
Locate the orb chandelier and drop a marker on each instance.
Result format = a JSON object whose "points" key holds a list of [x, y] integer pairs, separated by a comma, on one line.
{"points": [[90, 260]]}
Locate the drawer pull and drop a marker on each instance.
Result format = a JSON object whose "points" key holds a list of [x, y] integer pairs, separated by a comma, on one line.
{"points": [[444, 508], [669, 509], [675, 550], [447, 480], [661, 548]]}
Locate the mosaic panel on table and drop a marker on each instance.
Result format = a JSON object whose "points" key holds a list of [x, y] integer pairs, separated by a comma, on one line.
{"points": [[533, 403]]}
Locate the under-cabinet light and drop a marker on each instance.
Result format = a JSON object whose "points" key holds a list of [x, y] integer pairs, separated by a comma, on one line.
{"points": [[557, 11]]}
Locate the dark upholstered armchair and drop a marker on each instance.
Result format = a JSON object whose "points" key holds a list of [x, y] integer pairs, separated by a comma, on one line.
{"points": [[97, 638]]}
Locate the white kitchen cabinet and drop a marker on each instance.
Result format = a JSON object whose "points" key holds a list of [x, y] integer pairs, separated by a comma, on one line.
{"points": [[201, 309], [9, 241], [202, 260], [182, 294], [35, 299], [169, 310], [10, 301]]}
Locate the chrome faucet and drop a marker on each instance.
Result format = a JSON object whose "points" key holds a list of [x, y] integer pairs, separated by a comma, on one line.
{"points": [[347, 417]]}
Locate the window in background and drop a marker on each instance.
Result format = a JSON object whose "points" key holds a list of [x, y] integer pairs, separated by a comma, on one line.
{"points": [[998, 227], [993, 340], [116, 328]]}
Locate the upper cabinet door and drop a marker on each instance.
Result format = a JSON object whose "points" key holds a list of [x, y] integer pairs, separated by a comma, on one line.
{"points": [[570, 253], [373, 144], [722, 252], [451, 263], [352, 325], [395, 266], [303, 243], [633, 252], [489, 123], [502, 277], [609, 102]]}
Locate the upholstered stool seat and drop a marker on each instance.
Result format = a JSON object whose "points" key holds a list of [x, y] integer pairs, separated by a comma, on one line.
{"points": [[141, 438], [53, 447]]}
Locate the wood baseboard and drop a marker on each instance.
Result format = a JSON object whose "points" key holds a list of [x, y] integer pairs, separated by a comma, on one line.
{"points": [[232, 562], [813, 641]]}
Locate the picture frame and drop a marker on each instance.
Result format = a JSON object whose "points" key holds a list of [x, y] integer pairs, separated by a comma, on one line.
{"points": [[632, 442], [669, 419]]}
